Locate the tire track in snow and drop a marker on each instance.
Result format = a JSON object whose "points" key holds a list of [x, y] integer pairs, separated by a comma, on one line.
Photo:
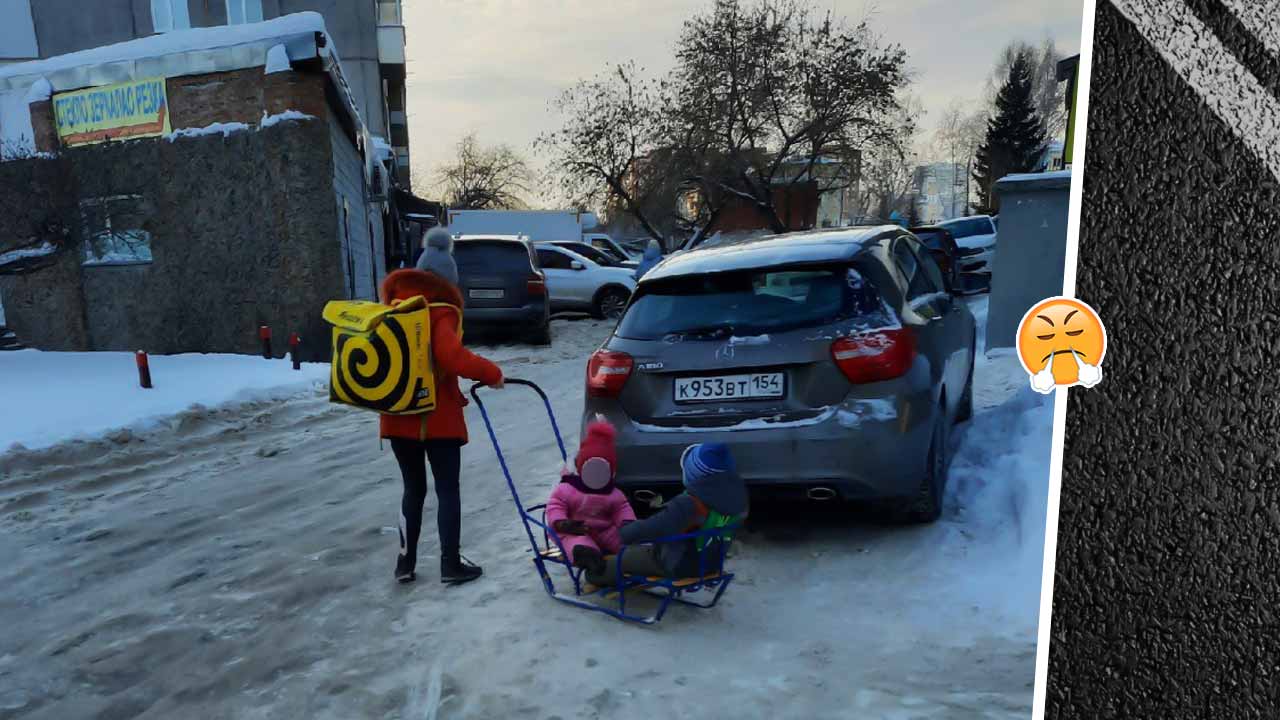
{"points": [[1201, 59]]}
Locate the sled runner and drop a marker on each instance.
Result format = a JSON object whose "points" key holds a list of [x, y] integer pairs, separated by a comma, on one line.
{"points": [[709, 584]]}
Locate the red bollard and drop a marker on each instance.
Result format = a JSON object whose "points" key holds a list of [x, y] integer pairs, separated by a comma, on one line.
{"points": [[144, 369], [264, 333], [294, 341]]}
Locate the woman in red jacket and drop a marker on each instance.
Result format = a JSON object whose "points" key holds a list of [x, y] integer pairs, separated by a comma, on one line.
{"points": [[436, 437]]}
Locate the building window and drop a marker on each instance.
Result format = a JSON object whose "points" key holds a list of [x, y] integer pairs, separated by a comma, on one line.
{"points": [[169, 15], [244, 11], [113, 231]]}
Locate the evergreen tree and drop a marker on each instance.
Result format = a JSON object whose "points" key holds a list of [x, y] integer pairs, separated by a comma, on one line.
{"points": [[1015, 135]]}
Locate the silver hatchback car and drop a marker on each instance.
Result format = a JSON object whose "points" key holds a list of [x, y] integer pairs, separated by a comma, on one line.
{"points": [[832, 362]]}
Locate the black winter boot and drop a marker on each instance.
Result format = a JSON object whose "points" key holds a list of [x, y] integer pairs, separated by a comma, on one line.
{"points": [[457, 570], [589, 559], [404, 569]]}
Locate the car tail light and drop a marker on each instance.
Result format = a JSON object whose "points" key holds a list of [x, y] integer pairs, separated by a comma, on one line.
{"points": [[875, 356], [536, 285], [607, 373]]}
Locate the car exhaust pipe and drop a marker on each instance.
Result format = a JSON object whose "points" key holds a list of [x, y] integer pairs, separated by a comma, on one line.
{"points": [[648, 497], [821, 494]]}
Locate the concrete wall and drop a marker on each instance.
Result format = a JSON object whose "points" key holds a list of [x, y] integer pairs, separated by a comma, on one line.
{"points": [[246, 229], [1031, 252], [363, 263], [241, 236], [64, 26]]}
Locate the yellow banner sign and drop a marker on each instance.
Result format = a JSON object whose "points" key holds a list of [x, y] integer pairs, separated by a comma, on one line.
{"points": [[139, 108]]}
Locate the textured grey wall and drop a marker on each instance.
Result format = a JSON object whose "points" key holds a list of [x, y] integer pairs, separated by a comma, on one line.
{"points": [[1168, 570], [243, 235], [1031, 253]]}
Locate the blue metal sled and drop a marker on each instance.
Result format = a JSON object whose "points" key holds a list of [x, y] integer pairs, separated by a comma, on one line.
{"points": [[551, 550]]}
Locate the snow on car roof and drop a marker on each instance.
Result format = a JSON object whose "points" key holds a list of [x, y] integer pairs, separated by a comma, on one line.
{"points": [[814, 246]]}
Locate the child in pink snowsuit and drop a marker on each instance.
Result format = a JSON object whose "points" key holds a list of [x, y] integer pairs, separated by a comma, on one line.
{"points": [[586, 510]]}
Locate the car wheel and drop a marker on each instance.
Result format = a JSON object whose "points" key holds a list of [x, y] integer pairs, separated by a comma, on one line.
{"points": [[542, 336], [611, 303], [926, 506], [965, 411]]}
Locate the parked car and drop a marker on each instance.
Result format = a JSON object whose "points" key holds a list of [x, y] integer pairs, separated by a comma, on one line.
{"points": [[576, 283], [832, 362], [609, 246], [503, 285], [599, 256], [976, 235], [949, 257]]}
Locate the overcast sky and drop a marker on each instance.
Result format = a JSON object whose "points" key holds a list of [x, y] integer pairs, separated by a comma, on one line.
{"points": [[492, 66]]}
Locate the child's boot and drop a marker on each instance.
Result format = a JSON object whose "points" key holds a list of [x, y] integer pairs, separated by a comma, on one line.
{"points": [[589, 559]]}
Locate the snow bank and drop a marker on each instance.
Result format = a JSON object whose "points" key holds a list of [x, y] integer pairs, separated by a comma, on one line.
{"points": [[195, 39], [27, 253], [999, 482], [223, 129], [62, 396]]}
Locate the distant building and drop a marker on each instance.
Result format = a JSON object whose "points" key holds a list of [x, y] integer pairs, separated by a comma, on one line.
{"points": [[1051, 158], [369, 37], [941, 191], [184, 190]]}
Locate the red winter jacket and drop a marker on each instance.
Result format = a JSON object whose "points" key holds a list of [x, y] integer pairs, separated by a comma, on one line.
{"points": [[450, 359]]}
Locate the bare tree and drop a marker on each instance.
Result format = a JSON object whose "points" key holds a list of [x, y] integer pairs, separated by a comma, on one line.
{"points": [[610, 150], [771, 93], [485, 178], [956, 139], [889, 165]]}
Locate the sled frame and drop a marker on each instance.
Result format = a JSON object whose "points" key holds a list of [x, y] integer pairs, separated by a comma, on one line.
{"points": [[550, 552]]}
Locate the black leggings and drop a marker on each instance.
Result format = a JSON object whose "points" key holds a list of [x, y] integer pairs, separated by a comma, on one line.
{"points": [[445, 457]]}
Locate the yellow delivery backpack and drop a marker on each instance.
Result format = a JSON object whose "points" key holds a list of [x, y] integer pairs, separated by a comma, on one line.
{"points": [[382, 355]]}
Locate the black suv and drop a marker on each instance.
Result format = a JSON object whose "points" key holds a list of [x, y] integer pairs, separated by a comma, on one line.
{"points": [[503, 286]]}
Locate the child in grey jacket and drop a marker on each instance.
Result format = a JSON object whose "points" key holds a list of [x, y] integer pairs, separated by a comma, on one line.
{"points": [[712, 488]]}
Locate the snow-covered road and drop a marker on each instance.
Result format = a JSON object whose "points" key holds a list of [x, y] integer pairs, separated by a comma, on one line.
{"points": [[237, 564]]}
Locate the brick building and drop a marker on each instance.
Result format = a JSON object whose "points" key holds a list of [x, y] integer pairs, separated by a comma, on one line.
{"points": [[187, 188]]}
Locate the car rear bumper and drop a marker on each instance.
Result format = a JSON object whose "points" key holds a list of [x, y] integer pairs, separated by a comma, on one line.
{"points": [[532, 314], [862, 449]]}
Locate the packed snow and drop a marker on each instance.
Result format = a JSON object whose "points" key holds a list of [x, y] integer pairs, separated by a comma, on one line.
{"points": [[277, 60], [170, 43], [40, 90], [218, 128], [64, 395], [271, 120], [42, 250], [237, 562]]}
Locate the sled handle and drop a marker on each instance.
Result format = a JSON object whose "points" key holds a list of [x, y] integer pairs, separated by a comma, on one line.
{"points": [[502, 461], [475, 387]]}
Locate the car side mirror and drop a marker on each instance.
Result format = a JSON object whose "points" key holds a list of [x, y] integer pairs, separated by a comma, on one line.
{"points": [[577, 265], [969, 283]]}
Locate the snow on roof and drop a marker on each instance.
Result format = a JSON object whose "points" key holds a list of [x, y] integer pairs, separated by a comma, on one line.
{"points": [[1023, 177], [148, 54]]}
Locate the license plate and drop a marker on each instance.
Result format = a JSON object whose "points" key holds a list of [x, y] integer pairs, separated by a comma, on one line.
{"points": [[488, 294], [729, 387]]}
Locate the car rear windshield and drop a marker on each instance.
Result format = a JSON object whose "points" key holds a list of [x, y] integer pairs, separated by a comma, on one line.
{"points": [[591, 254], [491, 256], [717, 305], [971, 226], [932, 239]]}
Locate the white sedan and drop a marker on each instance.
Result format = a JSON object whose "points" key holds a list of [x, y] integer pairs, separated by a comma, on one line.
{"points": [[976, 236], [575, 283]]}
